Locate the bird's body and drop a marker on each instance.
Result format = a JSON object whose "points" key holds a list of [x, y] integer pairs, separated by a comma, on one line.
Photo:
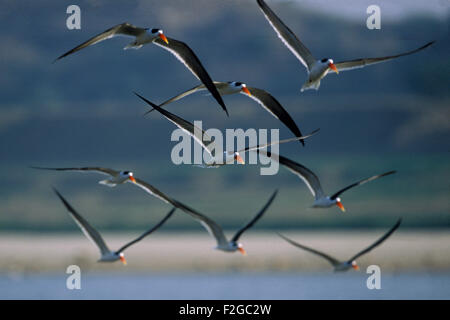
{"points": [[317, 72], [318, 69], [324, 202], [144, 38]]}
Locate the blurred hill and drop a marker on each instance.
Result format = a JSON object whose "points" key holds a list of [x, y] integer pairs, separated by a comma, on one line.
{"points": [[81, 111]]}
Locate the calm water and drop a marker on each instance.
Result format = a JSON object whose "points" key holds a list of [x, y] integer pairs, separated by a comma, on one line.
{"points": [[226, 286]]}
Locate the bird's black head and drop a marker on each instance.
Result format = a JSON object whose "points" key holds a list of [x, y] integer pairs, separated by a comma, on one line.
{"points": [[154, 31]]}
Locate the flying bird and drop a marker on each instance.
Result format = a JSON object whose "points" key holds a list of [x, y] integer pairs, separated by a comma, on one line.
{"points": [[217, 232], [321, 200], [144, 36], [318, 69], [350, 263], [206, 141], [115, 178], [262, 97], [106, 255]]}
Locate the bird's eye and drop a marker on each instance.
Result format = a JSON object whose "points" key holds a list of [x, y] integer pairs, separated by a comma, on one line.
{"points": [[238, 84], [126, 172], [154, 30], [324, 60]]}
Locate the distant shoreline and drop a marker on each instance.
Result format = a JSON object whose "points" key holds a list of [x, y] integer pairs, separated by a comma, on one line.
{"points": [[193, 252]]}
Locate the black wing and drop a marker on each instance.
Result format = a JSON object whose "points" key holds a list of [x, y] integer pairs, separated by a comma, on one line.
{"points": [[101, 170], [334, 196], [378, 242], [185, 54], [256, 218], [147, 232], [359, 63], [87, 229], [268, 102], [205, 141], [330, 259], [286, 35]]}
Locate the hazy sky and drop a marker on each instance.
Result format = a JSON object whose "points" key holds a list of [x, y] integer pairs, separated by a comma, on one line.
{"points": [[356, 9]]}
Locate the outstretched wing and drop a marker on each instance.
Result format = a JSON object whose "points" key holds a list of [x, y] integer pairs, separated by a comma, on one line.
{"points": [[185, 54], [310, 179], [360, 63], [153, 191], [291, 41], [378, 242], [256, 218], [268, 102], [186, 126], [101, 170], [334, 196], [87, 229], [266, 145], [330, 259], [142, 236], [124, 29], [212, 227]]}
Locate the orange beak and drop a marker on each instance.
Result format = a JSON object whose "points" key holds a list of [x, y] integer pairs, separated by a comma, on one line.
{"points": [[241, 250], [132, 179], [356, 267], [339, 204], [122, 258], [333, 67], [239, 159], [163, 37], [246, 91]]}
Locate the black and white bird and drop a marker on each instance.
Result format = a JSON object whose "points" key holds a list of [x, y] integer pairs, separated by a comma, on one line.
{"points": [[321, 200], [207, 142], [216, 231], [117, 177], [350, 263], [106, 255], [145, 36], [318, 69], [262, 97]]}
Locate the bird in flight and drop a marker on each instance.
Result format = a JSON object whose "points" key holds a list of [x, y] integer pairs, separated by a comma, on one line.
{"points": [[145, 36], [262, 97], [207, 142], [115, 178], [106, 255], [318, 69], [339, 265], [321, 200], [216, 231]]}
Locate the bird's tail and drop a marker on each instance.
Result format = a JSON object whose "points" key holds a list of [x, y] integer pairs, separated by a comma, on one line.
{"points": [[107, 183], [133, 45]]}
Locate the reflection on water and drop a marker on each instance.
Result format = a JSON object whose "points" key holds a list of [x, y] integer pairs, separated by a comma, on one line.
{"points": [[226, 286]]}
